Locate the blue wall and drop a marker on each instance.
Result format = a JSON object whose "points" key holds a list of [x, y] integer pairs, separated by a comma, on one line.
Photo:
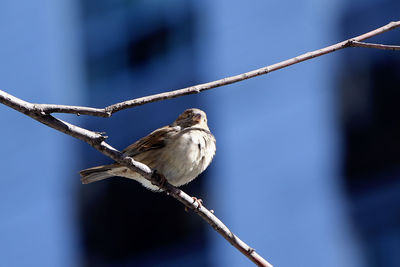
{"points": [[277, 179], [39, 63]]}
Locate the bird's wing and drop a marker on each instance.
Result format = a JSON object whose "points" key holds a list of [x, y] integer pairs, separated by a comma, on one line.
{"points": [[154, 140]]}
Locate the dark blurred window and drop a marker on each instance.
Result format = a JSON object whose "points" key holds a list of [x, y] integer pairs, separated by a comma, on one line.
{"points": [[370, 104], [132, 49]]}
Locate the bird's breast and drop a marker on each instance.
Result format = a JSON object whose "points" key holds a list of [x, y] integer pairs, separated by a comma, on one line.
{"points": [[190, 154]]}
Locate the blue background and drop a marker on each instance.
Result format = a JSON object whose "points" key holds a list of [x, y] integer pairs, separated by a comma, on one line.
{"points": [[280, 177]]}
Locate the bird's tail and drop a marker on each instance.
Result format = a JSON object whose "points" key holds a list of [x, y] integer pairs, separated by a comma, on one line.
{"points": [[96, 173]]}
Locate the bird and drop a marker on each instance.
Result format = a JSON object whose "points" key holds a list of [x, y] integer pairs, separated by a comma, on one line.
{"points": [[179, 151]]}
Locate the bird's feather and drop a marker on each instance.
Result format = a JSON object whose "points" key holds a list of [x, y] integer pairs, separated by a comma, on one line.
{"points": [[154, 140]]}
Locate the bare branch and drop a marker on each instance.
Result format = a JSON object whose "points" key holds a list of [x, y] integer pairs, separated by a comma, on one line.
{"points": [[37, 114], [375, 46], [251, 74], [108, 111], [96, 140], [50, 108]]}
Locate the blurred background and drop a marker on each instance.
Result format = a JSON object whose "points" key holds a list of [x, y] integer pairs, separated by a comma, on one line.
{"points": [[307, 165]]}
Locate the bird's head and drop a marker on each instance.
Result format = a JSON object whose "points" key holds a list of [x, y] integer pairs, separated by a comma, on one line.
{"points": [[192, 117]]}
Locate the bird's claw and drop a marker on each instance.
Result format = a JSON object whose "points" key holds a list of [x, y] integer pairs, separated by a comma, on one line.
{"points": [[159, 179], [163, 180], [198, 201]]}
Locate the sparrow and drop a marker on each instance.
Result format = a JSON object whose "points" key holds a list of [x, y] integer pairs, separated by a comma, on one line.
{"points": [[179, 151]]}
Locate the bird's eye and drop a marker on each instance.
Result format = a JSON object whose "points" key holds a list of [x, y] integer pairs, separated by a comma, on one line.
{"points": [[197, 117]]}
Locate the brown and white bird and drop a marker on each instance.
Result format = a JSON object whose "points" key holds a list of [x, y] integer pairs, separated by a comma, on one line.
{"points": [[180, 151]]}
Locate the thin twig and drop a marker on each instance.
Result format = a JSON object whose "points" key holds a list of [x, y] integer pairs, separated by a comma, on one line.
{"points": [[251, 74], [96, 140], [78, 110], [37, 114], [375, 46], [108, 111]]}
